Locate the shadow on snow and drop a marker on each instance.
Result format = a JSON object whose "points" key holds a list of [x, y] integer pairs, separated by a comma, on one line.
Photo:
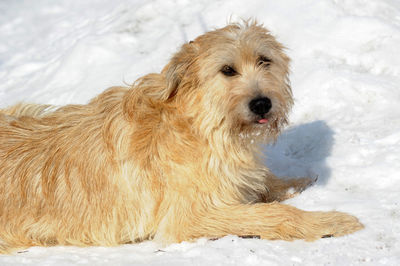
{"points": [[302, 151]]}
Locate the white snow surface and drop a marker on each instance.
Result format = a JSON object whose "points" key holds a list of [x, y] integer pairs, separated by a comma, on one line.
{"points": [[345, 126]]}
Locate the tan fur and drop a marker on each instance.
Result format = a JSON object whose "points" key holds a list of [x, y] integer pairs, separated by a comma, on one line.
{"points": [[173, 158]]}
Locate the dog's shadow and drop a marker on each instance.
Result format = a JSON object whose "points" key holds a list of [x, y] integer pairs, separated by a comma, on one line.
{"points": [[302, 151]]}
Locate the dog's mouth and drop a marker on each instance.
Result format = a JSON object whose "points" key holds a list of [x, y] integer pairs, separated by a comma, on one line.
{"points": [[263, 121], [266, 120]]}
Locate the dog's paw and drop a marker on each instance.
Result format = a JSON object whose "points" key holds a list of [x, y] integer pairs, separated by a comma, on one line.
{"points": [[298, 185], [301, 184], [332, 224]]}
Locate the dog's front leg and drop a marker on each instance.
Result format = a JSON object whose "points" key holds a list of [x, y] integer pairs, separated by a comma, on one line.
{"points": [[271, 221], [280, 189]]}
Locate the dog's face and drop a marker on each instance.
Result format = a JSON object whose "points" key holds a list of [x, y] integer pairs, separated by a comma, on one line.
{"points": [[233, 79]]}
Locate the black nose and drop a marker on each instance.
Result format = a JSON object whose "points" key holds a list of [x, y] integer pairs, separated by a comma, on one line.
{"points": [[260, 106]]}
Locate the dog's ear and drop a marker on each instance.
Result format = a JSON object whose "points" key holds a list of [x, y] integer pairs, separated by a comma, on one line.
{"points": [[145, 93], [177, 68], [148, 91]]}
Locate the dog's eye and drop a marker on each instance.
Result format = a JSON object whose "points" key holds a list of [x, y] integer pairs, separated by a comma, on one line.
{"points": [[264, 61], [228, 71]]}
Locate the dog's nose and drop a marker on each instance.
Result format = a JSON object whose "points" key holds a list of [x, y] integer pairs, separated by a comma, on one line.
{"points": [[260, 106]]}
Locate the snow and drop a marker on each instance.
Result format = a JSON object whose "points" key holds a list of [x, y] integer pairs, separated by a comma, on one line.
{"points": [[345, 126]]}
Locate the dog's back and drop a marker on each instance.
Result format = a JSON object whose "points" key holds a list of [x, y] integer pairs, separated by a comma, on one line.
{"points": [[27, 109]]}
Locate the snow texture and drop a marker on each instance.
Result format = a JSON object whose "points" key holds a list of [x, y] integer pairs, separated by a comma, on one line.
{"points": [[345, 126]]}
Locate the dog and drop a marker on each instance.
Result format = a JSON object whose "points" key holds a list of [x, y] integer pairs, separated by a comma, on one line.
{"points": [[172, 158]]}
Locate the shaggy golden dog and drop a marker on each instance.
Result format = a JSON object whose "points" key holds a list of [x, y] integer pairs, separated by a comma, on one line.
{"points": [[172, 158]]}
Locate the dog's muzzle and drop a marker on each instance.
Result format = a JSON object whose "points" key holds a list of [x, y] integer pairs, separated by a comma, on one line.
{"points": [[260, 106]]}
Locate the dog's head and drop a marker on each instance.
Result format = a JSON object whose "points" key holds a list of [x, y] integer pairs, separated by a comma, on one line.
{"points": [[234, 80]]}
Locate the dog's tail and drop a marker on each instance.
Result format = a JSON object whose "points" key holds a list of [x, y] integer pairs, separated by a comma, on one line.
{"points": [[27, 109]]}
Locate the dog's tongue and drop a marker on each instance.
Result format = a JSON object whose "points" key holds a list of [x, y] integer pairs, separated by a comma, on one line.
{"points": [[263, 121]]}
